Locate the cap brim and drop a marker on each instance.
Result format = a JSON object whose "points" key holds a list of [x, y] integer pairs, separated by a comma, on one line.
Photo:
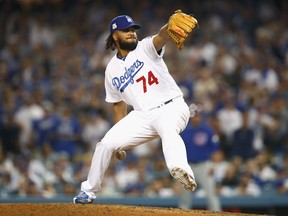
{"points": [[137, 26]]}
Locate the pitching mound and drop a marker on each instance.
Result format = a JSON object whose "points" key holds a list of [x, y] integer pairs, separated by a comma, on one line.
{"points": [[65, 209]]}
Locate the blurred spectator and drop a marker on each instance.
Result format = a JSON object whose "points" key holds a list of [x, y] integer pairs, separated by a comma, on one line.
{"points": [[230, 119], [157, 185], [9, 135], [243, 140], [158, 166], [148, 149], [81, 167], [153, 189], [110, 186], [45, 127], [41, 33], [247, 187], [94, 128], [201, 142], [63, 172], [277, 138], [128, 175], [219, 166], [225, 63], [231, 179], [9, 176], [281, 181], [49, 191], [38, 174], [269, 79], [206, 85], [266, 125], [27, 113], [67, 135], [265, 173]]}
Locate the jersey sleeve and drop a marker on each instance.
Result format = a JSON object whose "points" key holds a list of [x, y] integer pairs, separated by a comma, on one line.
{"points": [[149, 48]]}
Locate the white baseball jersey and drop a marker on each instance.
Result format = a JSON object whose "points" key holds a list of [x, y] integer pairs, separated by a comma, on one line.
{"points": [[141, 79]]}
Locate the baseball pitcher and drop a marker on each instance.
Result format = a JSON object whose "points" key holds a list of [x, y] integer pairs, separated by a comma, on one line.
{"points": [[138, 76]]}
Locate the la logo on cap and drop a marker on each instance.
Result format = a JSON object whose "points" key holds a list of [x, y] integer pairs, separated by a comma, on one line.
{"points": [[129, 19], [114, 26]]}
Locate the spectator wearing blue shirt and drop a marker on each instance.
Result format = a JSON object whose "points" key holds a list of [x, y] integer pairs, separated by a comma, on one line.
{"points": [[45, 128], [67, 134], [201, 142], [243, 140]]}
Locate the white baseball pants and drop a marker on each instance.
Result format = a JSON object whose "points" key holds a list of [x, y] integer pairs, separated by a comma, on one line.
{"points": [[137, 128]]}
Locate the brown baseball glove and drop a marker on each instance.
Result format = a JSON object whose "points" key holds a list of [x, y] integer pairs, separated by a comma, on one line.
{"points": [[179, 27]]}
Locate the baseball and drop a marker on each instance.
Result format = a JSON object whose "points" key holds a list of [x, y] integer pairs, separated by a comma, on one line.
{"points": [[120, 154]]}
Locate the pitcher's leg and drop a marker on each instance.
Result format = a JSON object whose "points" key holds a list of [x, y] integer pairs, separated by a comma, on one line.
{"points": [[99, 164], [171, 121], [175, 152], [130, 131]]}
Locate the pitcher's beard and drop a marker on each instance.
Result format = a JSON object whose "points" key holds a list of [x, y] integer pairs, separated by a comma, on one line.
{"points": [[130, 46]]}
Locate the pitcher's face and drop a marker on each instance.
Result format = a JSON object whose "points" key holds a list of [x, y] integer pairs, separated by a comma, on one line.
{"points": [[127, 39]]}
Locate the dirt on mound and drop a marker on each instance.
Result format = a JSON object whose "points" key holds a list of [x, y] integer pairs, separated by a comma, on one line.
{"points": [[69, 209]]}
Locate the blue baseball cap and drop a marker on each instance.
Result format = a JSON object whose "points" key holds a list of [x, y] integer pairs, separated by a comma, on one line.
{"points": [[122, 22]]}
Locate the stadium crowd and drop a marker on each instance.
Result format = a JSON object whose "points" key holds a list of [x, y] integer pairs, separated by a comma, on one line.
{"points": [[52, 98]]}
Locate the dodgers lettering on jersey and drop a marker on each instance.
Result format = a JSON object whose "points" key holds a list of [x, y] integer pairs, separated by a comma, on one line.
{"points": [[141, 79], [123, 81]]}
